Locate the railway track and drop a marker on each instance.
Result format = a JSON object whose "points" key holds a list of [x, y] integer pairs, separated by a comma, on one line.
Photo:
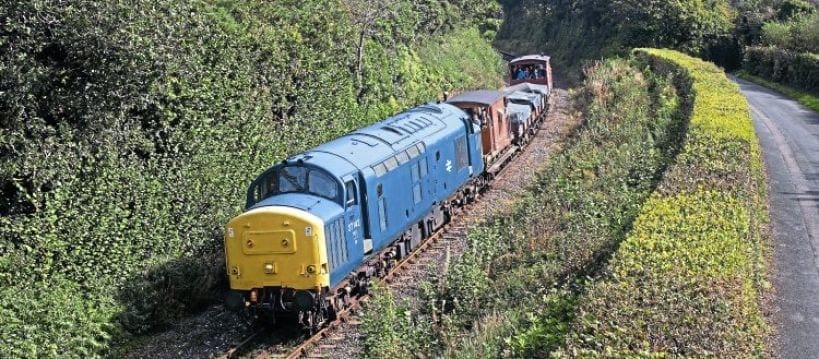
{"points": [[334, 340]]}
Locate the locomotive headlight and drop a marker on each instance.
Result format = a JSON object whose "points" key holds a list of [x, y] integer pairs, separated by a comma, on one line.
{"points": [[311, 269]]}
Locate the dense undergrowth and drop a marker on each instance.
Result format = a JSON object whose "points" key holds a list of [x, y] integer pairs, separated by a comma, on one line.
{"points": [[129, 131], [689, 277], [514, 290]]}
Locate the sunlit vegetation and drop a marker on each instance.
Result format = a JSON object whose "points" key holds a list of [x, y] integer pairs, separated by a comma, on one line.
{"points": [[783, 46]]}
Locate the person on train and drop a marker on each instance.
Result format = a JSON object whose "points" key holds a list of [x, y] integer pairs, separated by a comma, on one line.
{"points": [[520, 74], [541, 73]]}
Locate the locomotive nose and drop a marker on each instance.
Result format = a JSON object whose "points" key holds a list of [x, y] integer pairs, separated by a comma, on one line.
{"points": [[276, 247]]}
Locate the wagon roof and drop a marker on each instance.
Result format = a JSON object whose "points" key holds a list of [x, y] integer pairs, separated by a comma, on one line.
{"points": [[527, 87], [520, 95], [528, 58], [484, 97]]}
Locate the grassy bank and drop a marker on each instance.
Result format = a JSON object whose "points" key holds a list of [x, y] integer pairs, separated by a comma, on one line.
{"points": [[514, 289], [689, 277], [807, 99]]}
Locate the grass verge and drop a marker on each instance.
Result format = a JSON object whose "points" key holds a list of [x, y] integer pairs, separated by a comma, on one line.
{"points": [[689, 277], [809, 100]]}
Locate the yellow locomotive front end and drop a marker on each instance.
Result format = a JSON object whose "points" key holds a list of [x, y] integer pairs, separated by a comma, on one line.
{"points": [[276, 262]]}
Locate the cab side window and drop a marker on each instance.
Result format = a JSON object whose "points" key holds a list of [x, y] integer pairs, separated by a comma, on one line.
{"points": [[350, 190]]}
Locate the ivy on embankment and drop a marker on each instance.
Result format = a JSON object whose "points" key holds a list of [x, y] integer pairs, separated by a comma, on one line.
{"points": [[689, 277], [129, 131]]}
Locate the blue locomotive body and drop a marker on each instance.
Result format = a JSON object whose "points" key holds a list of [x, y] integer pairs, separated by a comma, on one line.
{"points": [[380, 185]]}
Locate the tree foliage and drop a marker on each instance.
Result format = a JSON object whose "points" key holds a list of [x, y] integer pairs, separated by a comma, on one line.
{"points": [[573, 30]]}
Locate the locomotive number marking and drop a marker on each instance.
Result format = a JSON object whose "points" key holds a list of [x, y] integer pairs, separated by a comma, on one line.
{"points": [[449, 165]]}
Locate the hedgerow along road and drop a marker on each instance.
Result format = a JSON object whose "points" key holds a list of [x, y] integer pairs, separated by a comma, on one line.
{"points": [[789, 135]]}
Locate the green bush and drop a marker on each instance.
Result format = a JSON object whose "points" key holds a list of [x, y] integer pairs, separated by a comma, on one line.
{"points": [[799, 70], [799, 33], [129, 131], [688, 278]]}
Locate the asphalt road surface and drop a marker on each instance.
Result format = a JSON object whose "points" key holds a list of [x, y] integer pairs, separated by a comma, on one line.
{"points": [[789, 134]]}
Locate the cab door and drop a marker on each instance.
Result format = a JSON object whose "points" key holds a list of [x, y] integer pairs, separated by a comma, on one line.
{"points": [[353, 228]]}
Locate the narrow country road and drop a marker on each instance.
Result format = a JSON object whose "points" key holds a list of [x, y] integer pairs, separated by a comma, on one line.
{"points": [[789, 134]]}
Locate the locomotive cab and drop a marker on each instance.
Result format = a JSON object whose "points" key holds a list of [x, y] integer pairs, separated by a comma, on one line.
{"points": [[277, 252]]}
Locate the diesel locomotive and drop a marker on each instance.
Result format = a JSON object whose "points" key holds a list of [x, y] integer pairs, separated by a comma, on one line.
{"points": [[320, 225]]}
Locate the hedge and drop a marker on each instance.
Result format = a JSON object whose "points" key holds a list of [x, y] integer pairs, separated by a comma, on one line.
{"points": [[799, 70], [689, 277]]}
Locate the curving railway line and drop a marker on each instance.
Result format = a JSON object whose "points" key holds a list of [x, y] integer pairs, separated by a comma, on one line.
{"points": [[341, 338]]}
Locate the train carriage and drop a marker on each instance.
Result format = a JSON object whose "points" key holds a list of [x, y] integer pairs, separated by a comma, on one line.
{"points": [[315, 218], [534, 69], [523, 111], [539, 92], [488, 108]]}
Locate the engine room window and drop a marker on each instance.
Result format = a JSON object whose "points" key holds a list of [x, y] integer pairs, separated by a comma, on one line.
{"points": [[391, 163], [350, 189], [424, 168], [380, 169], [420, 147], [293, 179], [413, 152], [322, 185], [402, 157]]}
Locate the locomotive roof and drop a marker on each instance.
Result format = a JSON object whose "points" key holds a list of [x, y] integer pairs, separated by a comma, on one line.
{"points": [[530, 58], [370, 145], [484, 97]]}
